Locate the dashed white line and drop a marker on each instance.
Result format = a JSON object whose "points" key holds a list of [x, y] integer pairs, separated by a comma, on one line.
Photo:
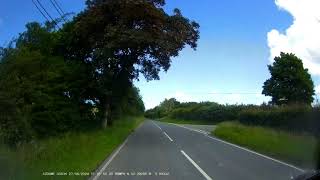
{"points": [[242, 148], [253, 152], [157, 125], [109, 161], [167, 136], [196, 165], [196, 130]]}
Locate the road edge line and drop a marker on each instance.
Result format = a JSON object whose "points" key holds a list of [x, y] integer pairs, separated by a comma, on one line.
{"points": [[109, 159], [196, 166], [256, 153], [242, 148]]}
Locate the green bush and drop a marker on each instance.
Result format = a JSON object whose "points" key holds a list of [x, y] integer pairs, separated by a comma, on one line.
{"points": [[32, 103], [204, 111], [295, 118], [290, 118]]}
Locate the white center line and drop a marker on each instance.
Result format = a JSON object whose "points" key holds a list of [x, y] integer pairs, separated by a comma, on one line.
{"points": [[196, 165], [242, 148], [196, 130], [157, 125], [256, 153], [167, 136]]}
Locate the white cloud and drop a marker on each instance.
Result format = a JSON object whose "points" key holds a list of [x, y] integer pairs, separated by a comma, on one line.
{"points": [[302, 37]]}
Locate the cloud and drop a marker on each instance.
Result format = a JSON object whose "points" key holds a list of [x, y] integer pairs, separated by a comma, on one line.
{"points": [[302, 37]]}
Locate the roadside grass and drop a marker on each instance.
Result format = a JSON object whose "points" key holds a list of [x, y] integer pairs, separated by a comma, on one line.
{"points": [[73, 152], [183, 121], [296, 149]]}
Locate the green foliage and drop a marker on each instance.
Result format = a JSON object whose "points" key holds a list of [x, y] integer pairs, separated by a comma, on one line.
{"points": [[169, 104], [120, 39], [131, 104], [207, 112], [290, 118], [290, 83], [71, 152], [38, 38], [32, 96], [40, 91], [164, 109], [187, 121], [293, 118], [81, 75], [298, 149], [204, 111]]}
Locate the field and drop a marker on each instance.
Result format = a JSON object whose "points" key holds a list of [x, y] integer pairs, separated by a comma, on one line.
{"points": [[297, 149], [73, 152]]}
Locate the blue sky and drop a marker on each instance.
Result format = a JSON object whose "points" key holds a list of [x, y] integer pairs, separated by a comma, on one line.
{"points": [[232, 54]]}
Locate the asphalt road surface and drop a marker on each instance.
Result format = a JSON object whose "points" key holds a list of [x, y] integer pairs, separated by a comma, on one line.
{"points": [[166, 151]]}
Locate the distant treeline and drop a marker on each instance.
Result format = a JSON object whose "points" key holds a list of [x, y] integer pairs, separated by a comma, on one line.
{"points": [[293, 118]]}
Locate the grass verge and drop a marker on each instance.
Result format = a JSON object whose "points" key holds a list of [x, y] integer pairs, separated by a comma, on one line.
{"points": [[73, 152], [297, 149], [183, 121]]}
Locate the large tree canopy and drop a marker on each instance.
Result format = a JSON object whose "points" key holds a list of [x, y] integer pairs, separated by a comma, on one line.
{"points": [[129, 37], [120, 39], [56, 80], [290, 83]]}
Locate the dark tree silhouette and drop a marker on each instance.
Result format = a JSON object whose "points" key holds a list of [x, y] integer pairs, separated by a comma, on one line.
{"points": [[290, 82], [120, 39]]}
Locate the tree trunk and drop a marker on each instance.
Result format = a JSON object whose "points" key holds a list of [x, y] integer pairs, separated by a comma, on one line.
{"points": [[106, 119], [318, 154]]}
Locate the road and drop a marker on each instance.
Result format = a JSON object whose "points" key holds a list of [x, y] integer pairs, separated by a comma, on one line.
{"points": [[158, 150]]}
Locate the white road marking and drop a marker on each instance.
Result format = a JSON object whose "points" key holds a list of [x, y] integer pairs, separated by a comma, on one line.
{"points": [[109, 161], [196, 165], [253, 152], [167, 136], [242, 148], [196, 130], [156, 125]]}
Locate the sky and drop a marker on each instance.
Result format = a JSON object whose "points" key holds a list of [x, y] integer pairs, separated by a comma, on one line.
{"points": [[238, 39]]}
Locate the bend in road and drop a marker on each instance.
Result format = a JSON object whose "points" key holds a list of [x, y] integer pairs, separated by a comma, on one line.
{"points": [[164, 151]]}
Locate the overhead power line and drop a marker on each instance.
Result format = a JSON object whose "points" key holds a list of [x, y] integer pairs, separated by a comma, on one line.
{"points": [[46, 14], [58, 9], [40, 10], [44, 9]]}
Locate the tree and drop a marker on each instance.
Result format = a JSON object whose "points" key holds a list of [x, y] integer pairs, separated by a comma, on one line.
{"points": [[36, 89], [290, 83], [168, 105], [120, 39]]}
